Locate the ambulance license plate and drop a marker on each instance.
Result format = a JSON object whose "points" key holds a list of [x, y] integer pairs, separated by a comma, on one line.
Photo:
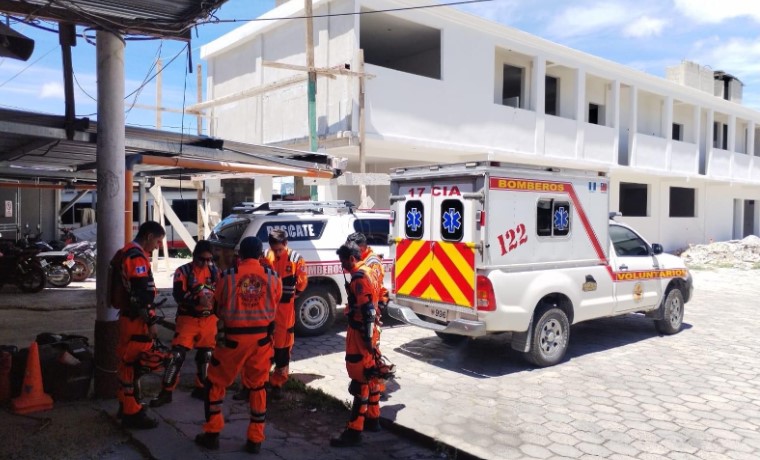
{"points": [[440, 314]]}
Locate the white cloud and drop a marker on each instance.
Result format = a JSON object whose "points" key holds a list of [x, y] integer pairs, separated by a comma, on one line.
{"points": [[712, 11], [587, 20], [737, 56], [52, 90], [644, 27]]}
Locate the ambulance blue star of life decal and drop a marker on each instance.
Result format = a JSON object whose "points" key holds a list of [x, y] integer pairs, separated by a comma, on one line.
{"points": [[561, 218], [413, 219], [452, 220]]}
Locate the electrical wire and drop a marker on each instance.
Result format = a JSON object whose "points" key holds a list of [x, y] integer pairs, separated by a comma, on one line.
{"points": [[145, 80], [354, 13], [27, 67]]}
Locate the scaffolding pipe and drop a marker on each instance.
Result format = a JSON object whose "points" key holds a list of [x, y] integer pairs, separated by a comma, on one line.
{"points": [[48, 186]]}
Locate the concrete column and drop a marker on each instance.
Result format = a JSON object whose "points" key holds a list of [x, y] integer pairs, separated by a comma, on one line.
{"points": [[697, 121], [580, 111], [110, 211], [634, 127], [328, 192], [709, 133], [538, 102], [751, 139], [142, 197], [731, 144], [262, 189], [613, 118]]}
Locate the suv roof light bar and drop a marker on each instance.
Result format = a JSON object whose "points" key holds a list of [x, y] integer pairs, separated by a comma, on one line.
{"points": [[294, 206]]}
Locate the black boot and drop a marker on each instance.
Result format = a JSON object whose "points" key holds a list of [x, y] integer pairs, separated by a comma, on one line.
{"points": [[198, 393], [164, 397], [242, 395], [208, 440], [252, 447], [138, 421], [372, 424], [349, 438]]}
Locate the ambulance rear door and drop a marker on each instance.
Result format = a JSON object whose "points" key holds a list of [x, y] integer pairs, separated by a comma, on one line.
{"points": [[436, 251]]}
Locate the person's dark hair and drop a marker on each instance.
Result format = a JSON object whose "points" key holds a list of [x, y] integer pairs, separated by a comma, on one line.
{"points": [[201, 247], [278, 236], [350, 249], [150, 227], [357, 237], [251, 248]]}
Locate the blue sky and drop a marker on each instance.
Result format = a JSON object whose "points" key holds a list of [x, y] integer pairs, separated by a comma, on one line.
{"points": [[645, 34]]}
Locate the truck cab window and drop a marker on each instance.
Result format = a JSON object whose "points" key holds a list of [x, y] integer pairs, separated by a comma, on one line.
{"points": [[627, 243]]}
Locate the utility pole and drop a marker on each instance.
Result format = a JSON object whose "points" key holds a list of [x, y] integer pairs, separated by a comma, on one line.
{"points": [[199, 86], [312, 89]]}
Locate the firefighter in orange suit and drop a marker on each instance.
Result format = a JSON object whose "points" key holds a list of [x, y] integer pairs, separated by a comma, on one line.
{"points": [[134, 296], [291, 268], [361, 340], [246, 298], [374, 262], [196, 322]]}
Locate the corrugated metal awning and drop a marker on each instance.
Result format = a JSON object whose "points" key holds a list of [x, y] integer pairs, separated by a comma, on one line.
{"points": [[161, 18], [34, 145]]}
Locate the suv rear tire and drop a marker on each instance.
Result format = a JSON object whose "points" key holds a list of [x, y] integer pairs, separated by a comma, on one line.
{"points": [[315, 311]]}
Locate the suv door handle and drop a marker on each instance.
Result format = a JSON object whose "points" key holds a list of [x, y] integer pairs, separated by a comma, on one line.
{"points": [[623, 267]]}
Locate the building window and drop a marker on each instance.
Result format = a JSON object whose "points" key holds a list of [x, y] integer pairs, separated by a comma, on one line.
{"points": [[551, 101], [552, 218], [682, 202], [398, 44], [634, 199], [677, 132], [512, 86], [593, 114]]}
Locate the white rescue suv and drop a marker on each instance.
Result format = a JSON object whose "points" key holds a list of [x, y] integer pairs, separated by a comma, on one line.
{"points": [[483, 248]]}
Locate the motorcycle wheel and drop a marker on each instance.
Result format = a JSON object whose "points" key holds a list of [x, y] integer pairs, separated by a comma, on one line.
{"points": [[59, 275], [81, 270], [33, 280]]}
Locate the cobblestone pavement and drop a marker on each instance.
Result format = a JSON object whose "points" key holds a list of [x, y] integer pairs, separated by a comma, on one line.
{"points": [[624, 392]]}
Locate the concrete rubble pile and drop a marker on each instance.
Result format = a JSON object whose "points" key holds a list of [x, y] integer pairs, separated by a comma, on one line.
{"points": [[742, 254]]}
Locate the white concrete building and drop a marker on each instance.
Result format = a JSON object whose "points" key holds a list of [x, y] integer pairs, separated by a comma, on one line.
{"points": [[448, 86]]}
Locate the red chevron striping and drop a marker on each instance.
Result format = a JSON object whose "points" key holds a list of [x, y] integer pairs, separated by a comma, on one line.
{"points": [[461, 283], [443, 293], [414, 263], [467, 253], [421, 287]]}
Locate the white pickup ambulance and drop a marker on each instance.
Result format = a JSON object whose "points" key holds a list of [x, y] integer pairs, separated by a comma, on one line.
{"points": [[484, 247]]}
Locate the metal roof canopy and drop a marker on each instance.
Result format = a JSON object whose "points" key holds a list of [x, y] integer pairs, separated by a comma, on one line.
{"points": [[159, 18], [34, 145]]}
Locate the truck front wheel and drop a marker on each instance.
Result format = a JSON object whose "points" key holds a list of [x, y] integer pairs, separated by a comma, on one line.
{"points": [[672, 313], [551, 335]]}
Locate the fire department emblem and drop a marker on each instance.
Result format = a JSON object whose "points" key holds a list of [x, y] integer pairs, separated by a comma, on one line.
{"points": [[250, 290], [638, 292]]}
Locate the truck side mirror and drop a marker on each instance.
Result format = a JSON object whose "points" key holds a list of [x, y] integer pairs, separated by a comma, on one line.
{"points": [[657, 248]]}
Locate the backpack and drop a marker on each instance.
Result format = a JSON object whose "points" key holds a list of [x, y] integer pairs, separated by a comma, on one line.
{"points": [[118, 296]]}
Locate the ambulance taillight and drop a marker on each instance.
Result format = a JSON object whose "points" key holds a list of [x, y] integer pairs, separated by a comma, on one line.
{"points": [[480, 218], [486, 300]]}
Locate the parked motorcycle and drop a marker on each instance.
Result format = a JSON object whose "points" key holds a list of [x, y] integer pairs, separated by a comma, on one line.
{"points": [[20, 267], [56, 264], [84, 254]]}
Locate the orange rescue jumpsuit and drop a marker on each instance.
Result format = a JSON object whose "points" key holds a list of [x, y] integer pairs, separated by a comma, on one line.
{"points": [[291, 268], [246, 299], [196, 321], [135, 344], [361, 339]]}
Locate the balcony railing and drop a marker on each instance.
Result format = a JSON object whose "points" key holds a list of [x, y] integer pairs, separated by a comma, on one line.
{"points": [[649, 152], [684, 157], [719, 163]]}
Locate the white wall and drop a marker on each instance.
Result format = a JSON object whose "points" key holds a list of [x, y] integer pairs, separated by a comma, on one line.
{"points": [[650, 114]]}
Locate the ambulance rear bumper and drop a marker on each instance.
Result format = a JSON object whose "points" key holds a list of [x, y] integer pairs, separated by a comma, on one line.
{"points": [[457, 327]]}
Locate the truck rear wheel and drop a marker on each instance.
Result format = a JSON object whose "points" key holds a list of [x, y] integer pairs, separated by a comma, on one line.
{"points": [[551, 335], [672, 313], [315, 311]]}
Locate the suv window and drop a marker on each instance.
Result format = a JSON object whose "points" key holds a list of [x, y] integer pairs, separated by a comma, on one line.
{"points": [[230, 230], [298, 230], [376, 230]]}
